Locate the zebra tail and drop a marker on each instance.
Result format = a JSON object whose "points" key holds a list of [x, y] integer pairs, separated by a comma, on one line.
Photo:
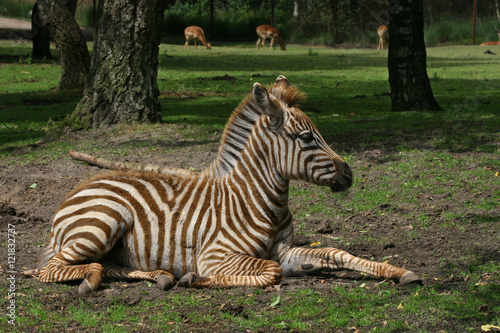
{"points": [[45, 257]]}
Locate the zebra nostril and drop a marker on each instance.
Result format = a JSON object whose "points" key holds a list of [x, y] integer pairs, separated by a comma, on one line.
{"points": [[343, 179], [348, 173]]}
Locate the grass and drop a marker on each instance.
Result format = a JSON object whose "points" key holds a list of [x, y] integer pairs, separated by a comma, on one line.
{"points": [[358, 306], [344, 88], [346, 102]]}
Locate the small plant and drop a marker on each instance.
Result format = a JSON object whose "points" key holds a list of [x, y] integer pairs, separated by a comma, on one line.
{"points": [[312, 53], [28, 60]]}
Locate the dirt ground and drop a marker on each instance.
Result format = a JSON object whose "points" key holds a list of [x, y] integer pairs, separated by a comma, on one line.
{"points": [[13, 29], [431, 254]]}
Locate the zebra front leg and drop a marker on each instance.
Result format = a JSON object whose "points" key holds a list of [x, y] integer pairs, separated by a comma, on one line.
{"points": [[298, 261], [164, 279], [237, 270]]}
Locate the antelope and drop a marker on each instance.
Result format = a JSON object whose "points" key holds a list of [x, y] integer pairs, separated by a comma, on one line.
{"points": [[382, 34], [492, 43], [266, 31], [195, 33]]}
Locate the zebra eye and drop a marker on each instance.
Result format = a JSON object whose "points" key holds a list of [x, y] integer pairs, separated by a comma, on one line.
{"points": [[306, 137]]}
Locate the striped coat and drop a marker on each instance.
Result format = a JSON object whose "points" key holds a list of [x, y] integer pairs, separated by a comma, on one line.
{"points": [[228, 226]]}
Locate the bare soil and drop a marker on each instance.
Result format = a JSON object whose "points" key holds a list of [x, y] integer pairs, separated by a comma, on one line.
{"points": [[14, 29], [433, 254]]}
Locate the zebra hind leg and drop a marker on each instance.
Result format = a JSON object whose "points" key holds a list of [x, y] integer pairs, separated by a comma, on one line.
{"points": [[62, 267], [164, 279]]}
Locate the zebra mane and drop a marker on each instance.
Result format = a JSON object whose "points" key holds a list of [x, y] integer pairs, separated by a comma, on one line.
{"points": [[240, 125]]}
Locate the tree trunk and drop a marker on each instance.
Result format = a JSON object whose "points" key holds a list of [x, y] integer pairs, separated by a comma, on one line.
{"points": [[335, 20], [70, 44], [41, 36], [272, 13], [410, 86], [122, 85]]}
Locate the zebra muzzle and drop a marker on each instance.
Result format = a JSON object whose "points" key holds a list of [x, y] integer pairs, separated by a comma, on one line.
{"points": [[343, 179]]}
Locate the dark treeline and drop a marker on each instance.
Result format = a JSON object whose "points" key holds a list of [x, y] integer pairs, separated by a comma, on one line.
{"points": [[326, 22]]}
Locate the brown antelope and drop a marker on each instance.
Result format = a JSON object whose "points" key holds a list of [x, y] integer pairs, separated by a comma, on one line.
{"points": [[266, 31], [382, 34], [493, 43], [195, 33]]}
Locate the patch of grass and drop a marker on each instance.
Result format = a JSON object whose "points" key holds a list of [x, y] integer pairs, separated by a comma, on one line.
{"points": [[345, 89]]}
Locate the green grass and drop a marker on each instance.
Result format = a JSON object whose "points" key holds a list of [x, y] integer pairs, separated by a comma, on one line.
{"points": [[340, 307], [344, 88]]}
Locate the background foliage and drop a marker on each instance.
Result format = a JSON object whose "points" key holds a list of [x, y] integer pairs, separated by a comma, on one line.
{"points": [[314, 22]]}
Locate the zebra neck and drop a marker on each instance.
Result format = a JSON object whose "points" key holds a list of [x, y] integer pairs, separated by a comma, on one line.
{"points": [[234, 139], [261, 184]]}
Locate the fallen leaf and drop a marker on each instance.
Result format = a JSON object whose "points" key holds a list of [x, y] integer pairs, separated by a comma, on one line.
{"points": [[483, 309], [400, 306], [490, 328], [315, 243], [276, 301], [272, 288]]}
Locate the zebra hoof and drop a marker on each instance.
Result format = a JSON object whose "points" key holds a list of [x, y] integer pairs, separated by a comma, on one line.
{"points": [[165, 282], [84, 288], [187, 280], [410, 277]]}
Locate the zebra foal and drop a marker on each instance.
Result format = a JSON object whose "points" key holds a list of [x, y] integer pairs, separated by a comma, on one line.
{"points": [[228, 226]]}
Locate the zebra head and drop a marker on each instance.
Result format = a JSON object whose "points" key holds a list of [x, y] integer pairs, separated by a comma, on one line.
{"points": [[299, 150]]}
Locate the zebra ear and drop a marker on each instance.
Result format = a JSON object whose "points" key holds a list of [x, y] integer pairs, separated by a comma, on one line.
{"points": [[282, 82], [267, 104]]}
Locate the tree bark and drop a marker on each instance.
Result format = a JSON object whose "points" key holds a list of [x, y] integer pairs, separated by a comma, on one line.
{"points": [[122, 85], [70, 44], [41, 36], [410, 86]]}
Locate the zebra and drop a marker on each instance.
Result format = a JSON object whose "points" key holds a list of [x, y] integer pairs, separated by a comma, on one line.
{"points": [[229, 225]]}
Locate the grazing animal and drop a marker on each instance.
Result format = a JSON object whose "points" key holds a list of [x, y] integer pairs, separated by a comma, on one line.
{"points": [[382, 35], [228, 226], [493, 43], [195, 33], [266, 31]]}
